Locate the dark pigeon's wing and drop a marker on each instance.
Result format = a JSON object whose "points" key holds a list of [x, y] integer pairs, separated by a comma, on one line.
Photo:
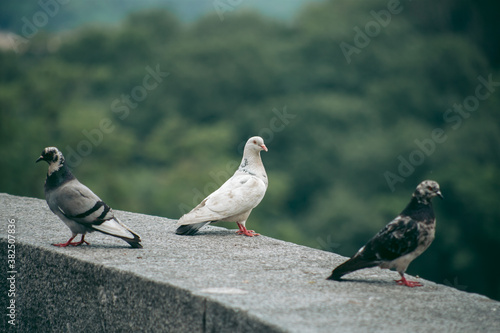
{"points": [[399, 237]]}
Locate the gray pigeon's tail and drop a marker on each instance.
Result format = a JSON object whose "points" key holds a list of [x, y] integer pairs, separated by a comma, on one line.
{"points": [[189, 229], [136, 242], [116, 228], [351, 265], [133, 242]]}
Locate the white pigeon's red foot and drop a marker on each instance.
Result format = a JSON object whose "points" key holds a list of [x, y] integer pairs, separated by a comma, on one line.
{"points": [[249, 233], [405, 282], [69, 242], [245, 231]]}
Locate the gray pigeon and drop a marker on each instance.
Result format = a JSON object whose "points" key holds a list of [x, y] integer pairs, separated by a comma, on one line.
{"points": [[77, 206], [235, 199], [402, 240]]}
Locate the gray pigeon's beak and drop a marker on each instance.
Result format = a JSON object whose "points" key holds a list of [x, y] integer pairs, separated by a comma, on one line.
{"points": [[39, 159], [264, 147], [439, 194]]}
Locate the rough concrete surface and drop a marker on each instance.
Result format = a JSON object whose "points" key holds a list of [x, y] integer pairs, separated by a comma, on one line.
{"points": [[214, 281]]}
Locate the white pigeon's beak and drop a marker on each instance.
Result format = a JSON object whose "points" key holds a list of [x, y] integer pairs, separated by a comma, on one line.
{"points": [[263, 146]]}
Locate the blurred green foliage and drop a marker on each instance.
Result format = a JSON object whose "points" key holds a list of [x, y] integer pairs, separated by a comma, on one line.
{"points": [[333, 129]]}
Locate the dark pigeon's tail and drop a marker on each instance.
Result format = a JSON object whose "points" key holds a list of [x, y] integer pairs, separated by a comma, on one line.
{"points": [[350, 266], [189, 229]]}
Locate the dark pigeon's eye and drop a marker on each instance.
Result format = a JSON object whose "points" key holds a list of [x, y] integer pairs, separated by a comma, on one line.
{"points": [[430, 188]]}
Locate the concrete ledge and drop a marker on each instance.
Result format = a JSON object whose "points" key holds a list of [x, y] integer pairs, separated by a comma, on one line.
{"points": [[215, 281]]}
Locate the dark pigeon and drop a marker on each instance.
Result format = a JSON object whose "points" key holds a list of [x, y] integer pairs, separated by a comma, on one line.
{"points": [[402, 240]]}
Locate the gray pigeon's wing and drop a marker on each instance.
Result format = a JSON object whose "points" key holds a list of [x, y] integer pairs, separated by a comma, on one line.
{"points": [[78, 203]]}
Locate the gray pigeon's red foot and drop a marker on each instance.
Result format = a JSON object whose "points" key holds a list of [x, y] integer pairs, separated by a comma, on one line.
{"points": [[245, 231], [62, 244], [82, 241], [65, 244], [405, 282], [72, 243]]}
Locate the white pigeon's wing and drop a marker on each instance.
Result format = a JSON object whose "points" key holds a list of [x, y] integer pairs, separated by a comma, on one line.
{"points": [[237, 195], [240, 195], [78, 203]]}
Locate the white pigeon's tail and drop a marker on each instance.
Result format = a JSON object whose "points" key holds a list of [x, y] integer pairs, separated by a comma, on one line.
{"points": [[114, 227], [189, 229]]}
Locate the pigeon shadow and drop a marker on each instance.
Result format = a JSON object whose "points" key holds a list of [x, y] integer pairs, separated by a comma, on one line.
{"points": [[371, 282], [98, 246], [225, 233]]}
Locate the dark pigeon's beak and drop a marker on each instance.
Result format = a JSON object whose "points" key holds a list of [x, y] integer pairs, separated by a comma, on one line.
{"points": [[39, 159], [439, 194]]}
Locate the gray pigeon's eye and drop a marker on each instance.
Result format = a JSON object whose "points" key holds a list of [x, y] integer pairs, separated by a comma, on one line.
{"points": [[430, 188]]}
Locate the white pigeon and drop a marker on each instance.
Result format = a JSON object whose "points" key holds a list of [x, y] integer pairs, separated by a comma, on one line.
{"points": [[77, 206], [235, 199]]}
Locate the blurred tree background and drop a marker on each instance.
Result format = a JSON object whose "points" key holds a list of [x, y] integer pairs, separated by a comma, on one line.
{"points": [[349, 137]]}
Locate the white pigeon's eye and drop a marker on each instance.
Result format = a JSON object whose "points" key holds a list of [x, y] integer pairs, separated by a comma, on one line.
{"points": [[254, 142]]}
